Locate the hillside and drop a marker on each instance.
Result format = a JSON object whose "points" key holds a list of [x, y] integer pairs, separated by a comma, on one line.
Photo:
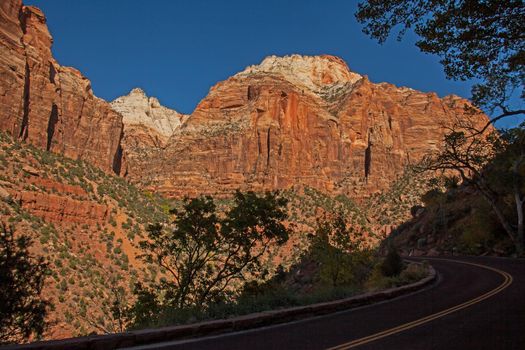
{"points": [[85, 222], [456, 222], [88, 225]]}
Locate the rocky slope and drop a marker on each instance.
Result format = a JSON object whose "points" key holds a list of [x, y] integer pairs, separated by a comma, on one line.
{"points": [[458, 221], [48, 105], [298, 120], [86, 223]]}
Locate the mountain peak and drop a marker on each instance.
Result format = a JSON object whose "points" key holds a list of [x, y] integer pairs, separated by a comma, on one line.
{"points": [[139, 109], [313, 72], [137, 91]]}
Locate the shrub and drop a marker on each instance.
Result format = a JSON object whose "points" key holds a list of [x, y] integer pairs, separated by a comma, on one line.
{"points": [[392, 264], [413, 272], [433, 198]]}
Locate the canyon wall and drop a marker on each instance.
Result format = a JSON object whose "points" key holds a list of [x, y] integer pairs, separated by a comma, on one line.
{"points": [[298, 120], [147, 124], [294, 120], [48, 105]]}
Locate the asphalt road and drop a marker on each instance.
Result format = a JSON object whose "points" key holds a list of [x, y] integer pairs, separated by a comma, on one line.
{"points": [[470, 307]]}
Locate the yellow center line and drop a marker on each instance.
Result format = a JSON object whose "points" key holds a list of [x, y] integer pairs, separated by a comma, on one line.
{"points": [[507, 282]]}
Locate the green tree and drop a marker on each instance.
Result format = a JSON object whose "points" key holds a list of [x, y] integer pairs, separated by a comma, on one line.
{"points": [[146, 309], [112, 315], [493, 164], [506, 176], [340, 251], [476, 39], [22, 310], [206, 254]]}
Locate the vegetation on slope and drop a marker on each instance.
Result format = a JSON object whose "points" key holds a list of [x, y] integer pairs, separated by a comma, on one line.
{"points": [[88, 225], [480, 212], [23, 310], [91, 253], [216, 264]]}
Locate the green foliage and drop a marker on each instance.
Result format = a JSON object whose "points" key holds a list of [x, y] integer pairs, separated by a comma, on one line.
{"points": [[112, 221], [205, 254], [412, 273], [475, 39], [433, 197], [479, 229], [392, 206], [452, 182], [340, 251], [305, 206], [118, 307], [127, 225], [254, 297], [145, 311], [22, 310], [506, 171]]}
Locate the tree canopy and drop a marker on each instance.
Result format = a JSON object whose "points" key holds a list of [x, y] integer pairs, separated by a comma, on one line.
{"points": [[476, 39], [208, 253], [340, 250]]}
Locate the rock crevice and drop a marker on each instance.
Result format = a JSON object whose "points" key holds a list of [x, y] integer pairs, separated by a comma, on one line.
{"points": [[25, 116]]}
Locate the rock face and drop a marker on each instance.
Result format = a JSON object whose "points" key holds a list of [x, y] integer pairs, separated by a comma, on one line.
{"points": [[60, 209], [298, 120], [45, 104], [289, 120], [146, 121]]}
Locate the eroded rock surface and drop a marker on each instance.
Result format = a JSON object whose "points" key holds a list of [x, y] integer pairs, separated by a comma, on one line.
{"points": [[48, 105], [294, 120], [62, 209], [299, 120], [146, 121]]}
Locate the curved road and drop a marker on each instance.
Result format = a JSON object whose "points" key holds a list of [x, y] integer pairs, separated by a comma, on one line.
{"points": [[470, 307]]}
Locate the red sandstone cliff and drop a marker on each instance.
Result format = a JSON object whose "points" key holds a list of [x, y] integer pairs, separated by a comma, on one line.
{"points": [[51, 106], [290, 120], [298, 120]]}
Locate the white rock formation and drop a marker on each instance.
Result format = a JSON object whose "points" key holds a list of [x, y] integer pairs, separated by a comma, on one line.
{"points": [[316, 73], [138, 109]]}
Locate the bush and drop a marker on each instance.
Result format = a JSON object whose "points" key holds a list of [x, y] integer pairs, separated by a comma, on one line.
{"points": [[433, 198], [392, 264], [479, 231], [413, 273]]}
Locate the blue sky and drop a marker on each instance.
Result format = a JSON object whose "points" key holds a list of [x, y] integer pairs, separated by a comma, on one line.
{"points": [[177, 50]]}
